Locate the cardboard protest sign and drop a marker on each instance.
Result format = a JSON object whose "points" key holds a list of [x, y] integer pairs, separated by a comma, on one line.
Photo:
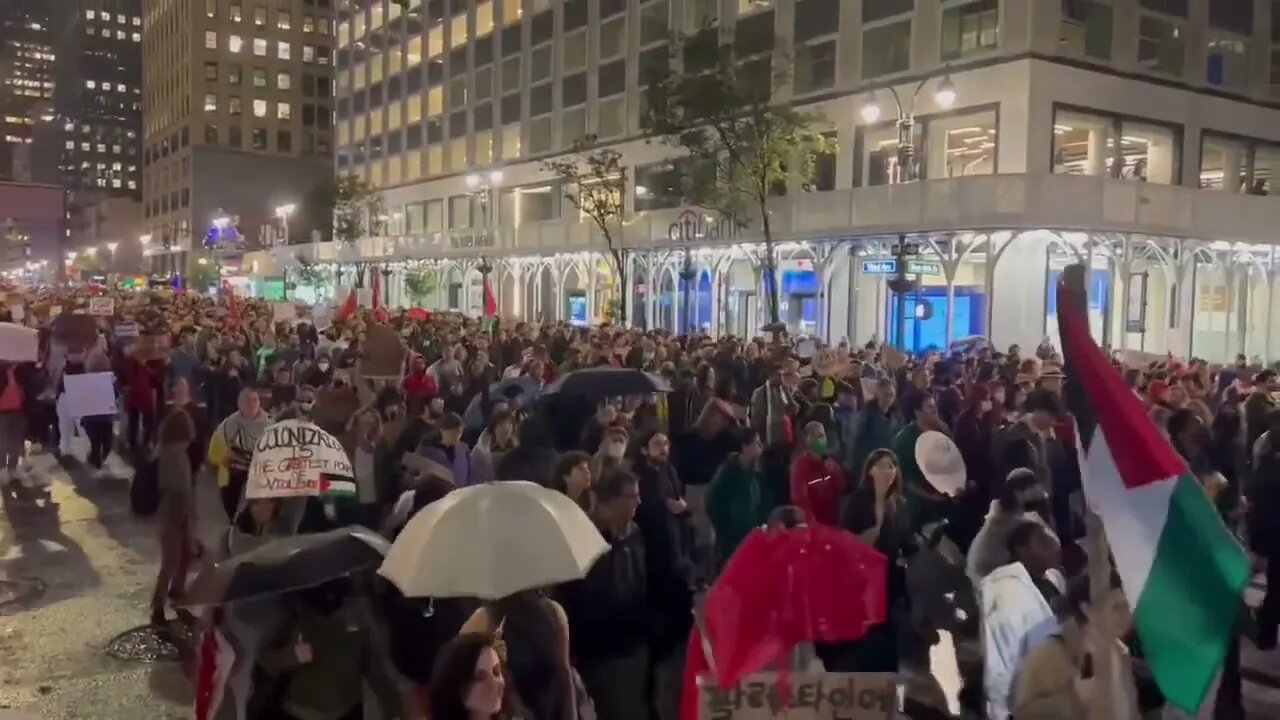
{"points": [[295, 458], [283, 312], [102, 306], [89, 394], [1140, 360], [334, 407], [891, 358], [18, 344], [384, 353], [804, 696]]}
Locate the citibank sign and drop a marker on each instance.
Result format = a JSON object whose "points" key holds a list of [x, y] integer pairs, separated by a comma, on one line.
{"points": [[692, 226]]}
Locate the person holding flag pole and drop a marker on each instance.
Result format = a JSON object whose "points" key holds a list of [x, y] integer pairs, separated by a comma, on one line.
{"points": [[1181, 569]]}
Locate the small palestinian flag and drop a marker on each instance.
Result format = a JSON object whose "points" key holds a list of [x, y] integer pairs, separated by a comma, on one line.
{"points": [[334, 488], [1183, 572]]}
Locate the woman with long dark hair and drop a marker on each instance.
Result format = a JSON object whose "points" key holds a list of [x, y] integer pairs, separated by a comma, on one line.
{"points": [[470, 682], [535, 631]]}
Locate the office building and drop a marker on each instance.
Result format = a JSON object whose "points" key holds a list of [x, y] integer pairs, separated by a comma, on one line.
{"points": [[1135, 135], [28, 151], [237, 121]]}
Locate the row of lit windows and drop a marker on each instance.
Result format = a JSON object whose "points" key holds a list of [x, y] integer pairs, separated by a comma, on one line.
{"points": [[284, 110], [258, 76], [108, 86], [120, 34], [100, 147], [262, 47], [106, 17]]}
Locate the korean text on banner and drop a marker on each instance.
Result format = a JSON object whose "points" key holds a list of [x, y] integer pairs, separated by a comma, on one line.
{"points": [[283, 311], [102, 306], [90, 394], [803, 696]]}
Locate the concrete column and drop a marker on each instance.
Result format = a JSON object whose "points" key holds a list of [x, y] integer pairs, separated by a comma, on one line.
{"points": [[1095, 163], [1232, 169], [926, 28], [1016, 290]]}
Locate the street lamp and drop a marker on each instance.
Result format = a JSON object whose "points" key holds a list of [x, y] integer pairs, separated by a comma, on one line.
{"points": [[283, 212], [944, 95], [111, 248]]}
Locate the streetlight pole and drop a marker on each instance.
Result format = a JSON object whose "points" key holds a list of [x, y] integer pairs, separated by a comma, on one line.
{"points": [[486, 187], [283, 212]]}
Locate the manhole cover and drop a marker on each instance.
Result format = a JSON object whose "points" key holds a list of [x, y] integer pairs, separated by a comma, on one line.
{"points": [[150, 643], [19, 591]]}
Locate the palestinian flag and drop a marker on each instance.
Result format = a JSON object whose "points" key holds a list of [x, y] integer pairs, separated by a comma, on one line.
{"points": [[1182, 570], [332, 488]]}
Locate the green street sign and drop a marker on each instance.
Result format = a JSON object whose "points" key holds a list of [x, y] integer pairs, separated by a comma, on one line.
{"points": [[923, 267]]}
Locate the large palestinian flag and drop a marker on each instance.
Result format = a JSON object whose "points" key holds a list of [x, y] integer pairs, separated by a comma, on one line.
{"points": [[1183, 572]]}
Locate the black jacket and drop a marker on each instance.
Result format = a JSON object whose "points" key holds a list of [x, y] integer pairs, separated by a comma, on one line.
{"points": [[608, 610], [667, 545]]}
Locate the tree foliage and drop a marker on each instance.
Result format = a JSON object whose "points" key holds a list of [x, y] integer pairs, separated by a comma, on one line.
{"points": [[355, 206], [421, 285], [723, 111], [594, 181]]}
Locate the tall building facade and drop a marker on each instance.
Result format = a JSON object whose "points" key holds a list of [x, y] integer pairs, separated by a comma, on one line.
{"points": [[237, 119], [1139, 136], [28, 152]]}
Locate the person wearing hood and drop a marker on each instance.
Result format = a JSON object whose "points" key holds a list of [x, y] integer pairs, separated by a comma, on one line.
{"points": [[447, 449], [735, 496], [817, 481], [419, 385], [493, 443], [320, 374], [1022, 498], [231, 447]]}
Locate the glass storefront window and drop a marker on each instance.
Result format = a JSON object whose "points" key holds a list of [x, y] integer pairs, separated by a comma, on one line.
{"points": [[1086, 143], [655, 187], [1266, 169], [960, 145], [460, 212], [877, 160], [886, 49], [1227, 61], [1222, 164]]}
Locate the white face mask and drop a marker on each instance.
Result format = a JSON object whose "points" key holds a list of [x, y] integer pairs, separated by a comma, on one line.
{"points": [[986, 406], [615, 450]]}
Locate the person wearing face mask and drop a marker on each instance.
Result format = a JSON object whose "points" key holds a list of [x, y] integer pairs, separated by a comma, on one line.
{"points": [[321, 374], [419, 386], [817, 481], [611, 453]]}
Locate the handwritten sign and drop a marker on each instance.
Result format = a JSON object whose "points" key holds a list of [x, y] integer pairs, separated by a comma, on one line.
{"points": [[804, 696], [295, 458], [384, 353], [126, 330], [102, 306], [89, 394], [283, 312]]}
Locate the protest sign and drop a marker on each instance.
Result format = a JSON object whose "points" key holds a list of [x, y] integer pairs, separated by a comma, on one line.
{"points": [[126, 330], [283, 312], [102, 306], [1140, 360], [384, 353], [77, 332], [55, 310], [18, 344], [322, 316], [334, 407], [295, 458], [803, 696], [891, 358], [89, 394]]}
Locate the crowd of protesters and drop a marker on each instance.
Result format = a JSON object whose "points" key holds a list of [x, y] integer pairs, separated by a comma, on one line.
{"points": [[752, 430]]}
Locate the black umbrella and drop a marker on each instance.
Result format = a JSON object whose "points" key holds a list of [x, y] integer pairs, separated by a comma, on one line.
{"points": [[290, 563], [599, 382]]}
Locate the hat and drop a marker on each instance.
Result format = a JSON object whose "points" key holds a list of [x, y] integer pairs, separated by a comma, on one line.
{"points": [[1051, 372], [940, 462]]}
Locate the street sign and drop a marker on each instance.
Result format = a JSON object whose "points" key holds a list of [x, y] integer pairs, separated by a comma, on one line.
{"points": [[887, 266], [923, 267]]}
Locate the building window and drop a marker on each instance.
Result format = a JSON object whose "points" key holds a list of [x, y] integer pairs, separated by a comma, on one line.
{"points": [[656, 186], [210, 102], [284, 141], [1088, 143], [573, 126], [655, 23], [284, 50], [540, 64], [308, 53], [1086, 28], [211, 40], [886, 49], [284, 81], [260, 16], [235, 43], [210, 8], [233, 105], [259, 77], [815, 67], [973, 27], [259, 138], [458, 30], [1239, 165], [575, 52], [283, 21], [460, 214], [540, 135], [1161, 44], [284, 111], [233, 74], [260, 47], [210, 134], [613, 38], [1227, 61], [611, 118], [259, 108], [1275, 73], [959, 145], [484, 18]]}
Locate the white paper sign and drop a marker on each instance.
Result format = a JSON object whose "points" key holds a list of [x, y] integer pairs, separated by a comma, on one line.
{"points": [[290, 459], [102, 306], [90, 394], [127, 330], [283, 311], [322, 316], [18, 343]]}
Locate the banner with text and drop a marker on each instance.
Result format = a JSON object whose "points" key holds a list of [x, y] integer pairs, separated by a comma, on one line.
{"points": [[803, 696], [295, 458]]}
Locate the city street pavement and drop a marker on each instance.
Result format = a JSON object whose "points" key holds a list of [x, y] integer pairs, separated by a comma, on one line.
{"points": [[97, 563]]}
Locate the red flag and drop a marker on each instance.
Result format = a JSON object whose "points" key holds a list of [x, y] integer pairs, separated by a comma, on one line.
{"points": [[377, 291], [490, 303], [347, 309]]}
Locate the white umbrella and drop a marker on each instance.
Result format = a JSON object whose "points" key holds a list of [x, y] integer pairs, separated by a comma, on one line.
{"points": [[489, 541], [18, 343], [295, 458]]}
